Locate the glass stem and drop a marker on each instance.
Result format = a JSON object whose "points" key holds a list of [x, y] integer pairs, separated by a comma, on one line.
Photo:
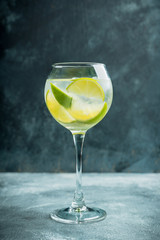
{"points": [[78, 201]]}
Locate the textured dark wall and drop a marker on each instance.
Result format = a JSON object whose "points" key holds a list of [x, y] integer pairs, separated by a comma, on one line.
{"points": [[125, 35]]}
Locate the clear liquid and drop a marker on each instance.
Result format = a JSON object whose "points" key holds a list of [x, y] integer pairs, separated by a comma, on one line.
{"points": [[85, 111]]}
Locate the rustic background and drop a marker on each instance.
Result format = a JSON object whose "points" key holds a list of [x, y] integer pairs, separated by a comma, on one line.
{"points": [[125, 35]]}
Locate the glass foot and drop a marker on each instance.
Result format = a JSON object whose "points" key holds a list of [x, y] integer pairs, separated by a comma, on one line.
{"points": [[78, 215]]}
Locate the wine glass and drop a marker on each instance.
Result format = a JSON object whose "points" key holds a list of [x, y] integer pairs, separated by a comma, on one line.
{"points": [[78, 95]]}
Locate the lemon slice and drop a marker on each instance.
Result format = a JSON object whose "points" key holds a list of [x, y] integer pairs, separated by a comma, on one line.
{"points": [[87, 100], [57, 110]]}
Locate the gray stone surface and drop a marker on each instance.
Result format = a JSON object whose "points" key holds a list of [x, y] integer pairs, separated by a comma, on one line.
{"points": [[125, 35], [132, 202]]}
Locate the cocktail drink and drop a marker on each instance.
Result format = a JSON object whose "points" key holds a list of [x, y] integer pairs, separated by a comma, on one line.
{"points": [[78, 96]]}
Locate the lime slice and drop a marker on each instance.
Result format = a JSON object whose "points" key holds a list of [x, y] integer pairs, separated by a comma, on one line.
{"points": [[83, 111], [57, 110], [61, 97], [87, 87], [99, 117], [87, 100]]}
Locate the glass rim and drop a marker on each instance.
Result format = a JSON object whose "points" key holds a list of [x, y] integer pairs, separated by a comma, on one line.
{"points": [[76, 64]]}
